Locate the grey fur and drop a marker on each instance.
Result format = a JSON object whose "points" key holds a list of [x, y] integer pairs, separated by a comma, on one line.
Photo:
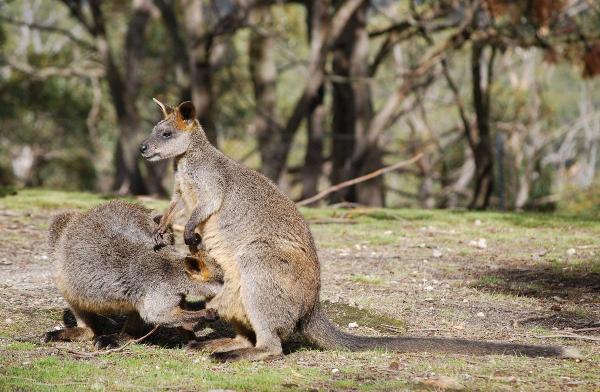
{"points": [[106, 264], [262, 242]]}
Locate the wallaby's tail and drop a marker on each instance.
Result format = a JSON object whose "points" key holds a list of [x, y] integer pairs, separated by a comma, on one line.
{"points": [[57, 226], [324, 334]]}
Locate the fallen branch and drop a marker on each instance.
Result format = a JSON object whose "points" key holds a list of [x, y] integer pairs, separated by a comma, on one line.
{"points": [[358, 180], [113, 350]]}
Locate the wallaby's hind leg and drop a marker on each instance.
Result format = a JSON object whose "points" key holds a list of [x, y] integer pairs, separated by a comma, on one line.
{"points": [[86, 329], [268, 346], [264, 320]]}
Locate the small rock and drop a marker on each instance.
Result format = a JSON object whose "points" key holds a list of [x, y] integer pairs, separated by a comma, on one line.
{"points": [[428, 288], [542, 252], [388, 232], [477, 222], [8, 321], [352, 325], [482, 243], [571, 252], [481, 315], [334, 371], [437, 253]]}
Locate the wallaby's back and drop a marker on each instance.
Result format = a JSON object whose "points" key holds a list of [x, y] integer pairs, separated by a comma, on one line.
{"points": [[106, 258]]}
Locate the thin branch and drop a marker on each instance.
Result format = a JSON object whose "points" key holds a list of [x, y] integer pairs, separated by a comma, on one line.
{"points": [[358, 180], [113, 350], [50, 29]]}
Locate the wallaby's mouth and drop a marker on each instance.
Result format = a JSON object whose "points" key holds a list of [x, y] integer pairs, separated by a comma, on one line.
{"points": [[151, 156]]}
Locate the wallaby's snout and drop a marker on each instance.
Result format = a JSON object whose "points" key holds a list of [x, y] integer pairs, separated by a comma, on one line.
{"points": [[143, 148]]}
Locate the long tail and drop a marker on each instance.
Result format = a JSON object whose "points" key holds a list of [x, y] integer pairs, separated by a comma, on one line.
{"points": [[321, 331], [57, 226]]}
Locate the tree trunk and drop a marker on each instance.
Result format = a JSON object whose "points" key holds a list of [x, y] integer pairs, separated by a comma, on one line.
{"points": [[264, 78], [344, 117], [200, 45], [315, 118], [329, 32], [482, 149], [352, 113], [124, 91]]}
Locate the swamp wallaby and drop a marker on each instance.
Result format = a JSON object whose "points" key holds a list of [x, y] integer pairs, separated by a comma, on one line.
{"points": [[262, 242], [106, 263]]}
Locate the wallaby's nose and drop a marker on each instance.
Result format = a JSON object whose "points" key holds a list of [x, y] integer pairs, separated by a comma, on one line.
{"points": [[143, 148]]}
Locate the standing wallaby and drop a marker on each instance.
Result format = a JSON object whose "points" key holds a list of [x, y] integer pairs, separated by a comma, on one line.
{"points": [[262, 242], [106, 264]]}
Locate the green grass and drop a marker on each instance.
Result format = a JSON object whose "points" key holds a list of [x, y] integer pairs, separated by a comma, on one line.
{"points": [[37, 199], [367, 279]]}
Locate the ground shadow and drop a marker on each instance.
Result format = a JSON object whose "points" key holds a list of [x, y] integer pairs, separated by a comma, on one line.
{"points": [[169, 337], [561, 285]]}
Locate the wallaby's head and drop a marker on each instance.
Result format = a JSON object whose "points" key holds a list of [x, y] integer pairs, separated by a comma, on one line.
{"points": [[171, 136]]}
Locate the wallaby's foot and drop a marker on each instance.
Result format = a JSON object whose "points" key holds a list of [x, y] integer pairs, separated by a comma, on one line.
{"points": [[191, 238], [74, 334], [115, 340], [248, 354], [222, 344]]}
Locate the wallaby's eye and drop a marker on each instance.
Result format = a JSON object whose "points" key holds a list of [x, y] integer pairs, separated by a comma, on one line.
{"points": [[167, 134]]}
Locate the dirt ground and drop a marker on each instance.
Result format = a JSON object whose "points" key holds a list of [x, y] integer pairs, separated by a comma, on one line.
{"points": [[507, 277]]}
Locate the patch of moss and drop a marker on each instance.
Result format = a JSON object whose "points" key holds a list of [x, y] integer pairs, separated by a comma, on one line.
{"points": [[367, 279], [343, 314]]}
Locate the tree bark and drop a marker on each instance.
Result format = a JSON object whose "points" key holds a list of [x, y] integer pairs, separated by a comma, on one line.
{"points": [[264, 82], [328, 34], [315, 117], [352, 114], [482, 149], [124, 91], [200, 46]]}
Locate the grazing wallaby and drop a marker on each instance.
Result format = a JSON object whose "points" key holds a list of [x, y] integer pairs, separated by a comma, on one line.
{"points": [[106, 264], [260, 239]]}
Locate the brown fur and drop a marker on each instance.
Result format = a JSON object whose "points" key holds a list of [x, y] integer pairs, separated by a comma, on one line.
{"points": [[267, 253]]}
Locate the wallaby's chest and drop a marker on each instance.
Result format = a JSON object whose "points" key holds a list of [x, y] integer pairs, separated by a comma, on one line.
{"points": [[186, 186]]}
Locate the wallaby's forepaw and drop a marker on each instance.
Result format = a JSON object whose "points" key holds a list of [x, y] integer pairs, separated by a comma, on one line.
{"points": [[191, 238], [160, 238]]}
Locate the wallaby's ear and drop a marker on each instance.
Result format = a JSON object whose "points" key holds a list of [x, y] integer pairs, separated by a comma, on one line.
{"points": [[186, 111], [165, 109], [192, 266]]}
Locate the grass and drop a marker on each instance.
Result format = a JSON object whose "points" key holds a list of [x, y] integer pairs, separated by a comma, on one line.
{"points": [[381, 259]]}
